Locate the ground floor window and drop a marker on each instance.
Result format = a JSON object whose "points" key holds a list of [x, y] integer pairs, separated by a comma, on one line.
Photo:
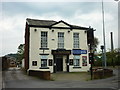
{"points": [[34, 63], [76, 60], [84, 60], [44, 60]]}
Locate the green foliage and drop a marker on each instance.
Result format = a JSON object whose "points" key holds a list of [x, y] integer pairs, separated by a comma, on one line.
{"points": [[97, 61], [113, 58], [12, 55], [21, 49], [20, 52], [96, 42]]}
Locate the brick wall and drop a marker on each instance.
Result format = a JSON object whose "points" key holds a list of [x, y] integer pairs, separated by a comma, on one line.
{"points": [[42, 74]]}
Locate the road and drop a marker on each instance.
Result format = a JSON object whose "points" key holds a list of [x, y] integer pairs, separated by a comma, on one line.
{"points": [[15, 78]]}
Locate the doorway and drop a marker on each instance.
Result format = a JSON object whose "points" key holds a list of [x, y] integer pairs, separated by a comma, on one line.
{"points": [[59, 63]]}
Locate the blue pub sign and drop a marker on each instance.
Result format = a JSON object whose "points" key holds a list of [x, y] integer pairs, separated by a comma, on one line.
{"points": [[78, 51]]}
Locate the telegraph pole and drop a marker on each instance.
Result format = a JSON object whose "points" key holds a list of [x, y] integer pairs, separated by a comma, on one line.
{"points": [[104, 35], [112, 47]]}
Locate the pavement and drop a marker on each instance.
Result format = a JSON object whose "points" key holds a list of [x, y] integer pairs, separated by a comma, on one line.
{"points": [[15, 78], [71, 76]]}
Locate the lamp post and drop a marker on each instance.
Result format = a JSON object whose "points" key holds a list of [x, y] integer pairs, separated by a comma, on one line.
{"points": [[104, 35]]}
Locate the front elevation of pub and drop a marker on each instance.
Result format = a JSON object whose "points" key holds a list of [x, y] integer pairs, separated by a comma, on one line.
{"points": [[56, 46]]}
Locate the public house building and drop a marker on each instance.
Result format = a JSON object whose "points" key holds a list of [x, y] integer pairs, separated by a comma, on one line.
{"points": [[57, 46]]}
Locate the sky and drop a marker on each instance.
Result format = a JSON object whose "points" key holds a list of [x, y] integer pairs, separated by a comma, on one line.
{"points": [[82, 13]]}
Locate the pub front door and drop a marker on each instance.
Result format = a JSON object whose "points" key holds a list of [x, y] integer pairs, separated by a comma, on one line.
{"points": [[59, 63]]}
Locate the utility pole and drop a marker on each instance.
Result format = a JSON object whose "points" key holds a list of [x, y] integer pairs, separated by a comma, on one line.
{"points": [[112, 47], [104, 35]]}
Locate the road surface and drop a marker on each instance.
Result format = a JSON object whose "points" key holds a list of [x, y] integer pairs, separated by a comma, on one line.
{"points": [[15, 78]]}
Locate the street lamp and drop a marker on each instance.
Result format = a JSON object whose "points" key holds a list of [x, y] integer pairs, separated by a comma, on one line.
{"points": [[104, 35]]}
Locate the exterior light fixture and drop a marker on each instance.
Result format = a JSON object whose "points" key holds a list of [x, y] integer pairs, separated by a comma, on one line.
{"points": [[35, 30], [68, 31], [52, 30], [85, 31]]}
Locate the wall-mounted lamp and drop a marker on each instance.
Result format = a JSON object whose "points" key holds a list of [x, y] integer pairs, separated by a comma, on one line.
{"points": [[53, 39], [35, 30], [52, 30], [68, 31]]}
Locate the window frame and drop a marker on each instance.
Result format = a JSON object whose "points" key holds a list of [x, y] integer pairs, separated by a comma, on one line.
{"points": [[43, 62], [61, 40], [76, 42], [44, 39], [34, 63], [76, 61]]}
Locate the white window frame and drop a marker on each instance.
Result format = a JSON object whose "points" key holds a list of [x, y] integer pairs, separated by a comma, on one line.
{"points": [[44, 60], [76, 60], [60, 39], [75, 40], [44, 39]]}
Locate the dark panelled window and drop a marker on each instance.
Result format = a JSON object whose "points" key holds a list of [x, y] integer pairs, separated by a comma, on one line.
{"points": [[43, 62], [34, 63]]}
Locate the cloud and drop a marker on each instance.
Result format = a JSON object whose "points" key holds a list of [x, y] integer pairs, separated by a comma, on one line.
{"points": [[12, 30], [57, 1], [82, 14]]}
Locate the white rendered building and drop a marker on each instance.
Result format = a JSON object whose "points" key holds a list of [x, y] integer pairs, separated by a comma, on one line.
{"points": [[57, 46]]}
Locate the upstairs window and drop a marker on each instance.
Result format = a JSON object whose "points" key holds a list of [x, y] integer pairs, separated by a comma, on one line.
{"points": [[76, 40], [44, 39], [60, 40]]}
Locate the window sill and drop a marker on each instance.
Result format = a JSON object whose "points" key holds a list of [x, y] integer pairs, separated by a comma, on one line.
{"points": [[76, 67], [44, 68], [44, 48]]}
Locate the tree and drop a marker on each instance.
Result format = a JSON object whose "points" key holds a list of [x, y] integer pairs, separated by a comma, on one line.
{"points": [[20, 52], [96, 42], [113, 57], [21, 49]]}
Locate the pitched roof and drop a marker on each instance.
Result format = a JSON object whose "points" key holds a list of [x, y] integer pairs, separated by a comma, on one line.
{"points": [[40, 22], [50, 23]]}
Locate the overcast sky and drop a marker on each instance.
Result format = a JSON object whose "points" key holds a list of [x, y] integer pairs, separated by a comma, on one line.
{"points": [[85, 14]]}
